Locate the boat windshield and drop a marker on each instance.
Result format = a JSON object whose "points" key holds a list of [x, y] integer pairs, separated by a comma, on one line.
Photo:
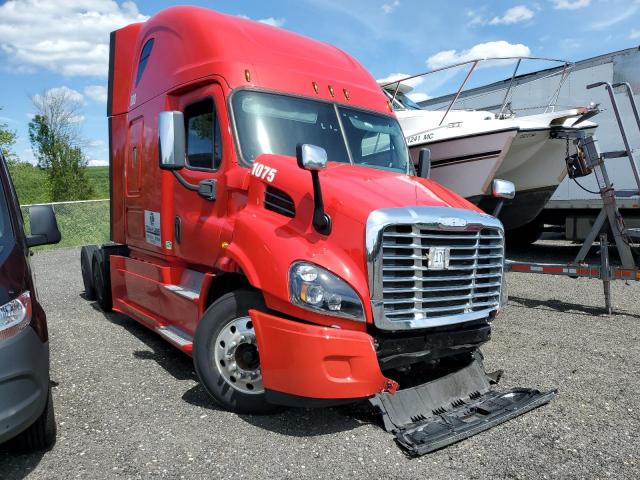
{"points": [[276, 123], [406, 102]]}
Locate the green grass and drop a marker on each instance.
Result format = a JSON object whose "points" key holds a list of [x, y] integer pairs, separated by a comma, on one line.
{"points": [[99, 178], [31, 182], [79, 224]]}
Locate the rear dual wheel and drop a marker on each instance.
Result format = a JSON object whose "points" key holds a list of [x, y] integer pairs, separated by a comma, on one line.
{"points": [[86, 263], [226, 356]]}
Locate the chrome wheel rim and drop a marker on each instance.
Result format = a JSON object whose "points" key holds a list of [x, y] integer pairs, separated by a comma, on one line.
{"points": [[236, 356]]}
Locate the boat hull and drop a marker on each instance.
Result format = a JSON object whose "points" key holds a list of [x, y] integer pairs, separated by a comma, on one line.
{"points": [[467, 165]]}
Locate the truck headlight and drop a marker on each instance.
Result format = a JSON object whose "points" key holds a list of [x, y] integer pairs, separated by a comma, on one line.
{"points": [[15, 315], [314, 288]]}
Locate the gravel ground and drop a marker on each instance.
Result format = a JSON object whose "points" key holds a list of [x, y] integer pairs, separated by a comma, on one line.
{"points": [[128, 404]]}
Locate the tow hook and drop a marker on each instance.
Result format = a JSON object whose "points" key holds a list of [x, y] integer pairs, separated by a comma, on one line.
{"points": [[390, 386]]}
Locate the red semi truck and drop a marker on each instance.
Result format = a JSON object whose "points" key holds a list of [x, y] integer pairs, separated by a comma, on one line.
{"points": [[266, 220]]}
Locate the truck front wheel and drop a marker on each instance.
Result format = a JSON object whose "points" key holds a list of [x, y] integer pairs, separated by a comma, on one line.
{"points": [[225, 353]]}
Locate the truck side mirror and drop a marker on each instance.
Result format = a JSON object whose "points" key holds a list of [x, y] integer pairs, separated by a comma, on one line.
{"points": [[502, 190], [171, 140], [311, 157], [44, 227], [424, 163], [314, 159]]}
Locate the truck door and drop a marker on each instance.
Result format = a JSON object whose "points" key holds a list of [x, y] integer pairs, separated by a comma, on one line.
{"points": [[197, 220], [134, 202]]}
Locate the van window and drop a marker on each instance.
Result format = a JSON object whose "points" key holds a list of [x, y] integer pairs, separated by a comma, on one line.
{"points": [[204, 142], [144, 58]]}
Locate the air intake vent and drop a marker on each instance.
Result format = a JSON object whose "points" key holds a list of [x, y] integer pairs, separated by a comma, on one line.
{"points": [[279, 202]]}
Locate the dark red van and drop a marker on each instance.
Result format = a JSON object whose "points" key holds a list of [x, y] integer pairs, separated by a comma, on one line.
{"points": [[26, 407]]}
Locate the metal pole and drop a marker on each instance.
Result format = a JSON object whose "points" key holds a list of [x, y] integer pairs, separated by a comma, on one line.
{"points": [[622, 130], [459, 91], [605, 272], [634, 107], [506, 95], [554, 99]]}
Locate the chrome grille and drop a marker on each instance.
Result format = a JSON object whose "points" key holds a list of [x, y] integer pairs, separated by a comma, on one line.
{"points": [[407, 293]]}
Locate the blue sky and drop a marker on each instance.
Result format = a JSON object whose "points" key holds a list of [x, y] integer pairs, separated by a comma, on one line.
{"points": [[48, 44]]}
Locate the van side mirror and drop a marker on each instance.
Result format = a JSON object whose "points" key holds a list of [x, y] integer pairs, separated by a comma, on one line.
{"points": [[171, 140], [424, 163], [44, 227]]}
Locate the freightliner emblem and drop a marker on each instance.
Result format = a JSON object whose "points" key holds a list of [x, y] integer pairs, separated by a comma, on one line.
{"points": [[438, 258]]}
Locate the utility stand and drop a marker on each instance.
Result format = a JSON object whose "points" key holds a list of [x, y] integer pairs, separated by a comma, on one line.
{"points": [[589, 160]]}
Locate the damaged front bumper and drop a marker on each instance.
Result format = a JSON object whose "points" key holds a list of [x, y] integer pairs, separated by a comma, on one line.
{"points": [[454, 407], [312, 365]]}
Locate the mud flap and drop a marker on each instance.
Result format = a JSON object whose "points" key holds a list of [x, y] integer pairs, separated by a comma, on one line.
{"points": [[454, 407]]}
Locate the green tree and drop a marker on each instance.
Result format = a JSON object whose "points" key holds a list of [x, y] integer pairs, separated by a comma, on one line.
{"points": [[56, 144], [7, 141]]}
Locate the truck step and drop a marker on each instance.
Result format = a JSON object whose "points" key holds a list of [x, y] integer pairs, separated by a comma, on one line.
{"points": [[177, 337], [183, 291], [454, 407]]}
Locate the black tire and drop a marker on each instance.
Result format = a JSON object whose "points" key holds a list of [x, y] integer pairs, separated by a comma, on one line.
{"points": [[525, 235], [223, 311], [102, 280], [41, 435], [86, 265]]}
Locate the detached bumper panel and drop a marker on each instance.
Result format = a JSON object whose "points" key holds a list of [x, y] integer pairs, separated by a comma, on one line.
{"points": [[315, 362], [447, 410]]}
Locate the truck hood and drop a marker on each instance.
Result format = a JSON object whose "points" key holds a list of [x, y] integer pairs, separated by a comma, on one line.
{"points": [[356, 191]]}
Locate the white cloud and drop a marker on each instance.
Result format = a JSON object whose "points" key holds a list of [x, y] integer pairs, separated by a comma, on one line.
{"points": [[519, 13], [97, 93], [70, 38], [274, 22], [570, 4], [635, 34], [611, 20], [68, 93], [414, 82], [418, 96], [569, 43], [98, 163], [387, 8], [475, 18], [498, 48]]}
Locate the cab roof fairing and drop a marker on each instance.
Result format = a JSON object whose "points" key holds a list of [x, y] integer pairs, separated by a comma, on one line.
{"points": [[194, 43]]}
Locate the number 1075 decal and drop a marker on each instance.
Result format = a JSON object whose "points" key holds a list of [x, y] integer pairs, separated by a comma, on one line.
{"points": [[262, 171]]}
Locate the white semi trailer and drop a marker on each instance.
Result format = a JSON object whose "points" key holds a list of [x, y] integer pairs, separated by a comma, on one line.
{"points": [[573, 206]]}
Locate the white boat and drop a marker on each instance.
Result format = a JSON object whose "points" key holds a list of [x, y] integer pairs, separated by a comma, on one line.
{"points": [[469, 148]]}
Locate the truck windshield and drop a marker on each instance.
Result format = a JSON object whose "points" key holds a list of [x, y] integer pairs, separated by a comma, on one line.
{"points": [[273, 123]]}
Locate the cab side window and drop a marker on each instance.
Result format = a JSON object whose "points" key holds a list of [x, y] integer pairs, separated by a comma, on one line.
{"points": [[144, 59], [204, 143]]}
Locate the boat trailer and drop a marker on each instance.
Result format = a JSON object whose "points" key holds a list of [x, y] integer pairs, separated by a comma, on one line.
{"points": [[588, 160]]}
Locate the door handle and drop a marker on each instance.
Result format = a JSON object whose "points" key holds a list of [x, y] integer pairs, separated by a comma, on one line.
{"points": [[177, 229]]}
